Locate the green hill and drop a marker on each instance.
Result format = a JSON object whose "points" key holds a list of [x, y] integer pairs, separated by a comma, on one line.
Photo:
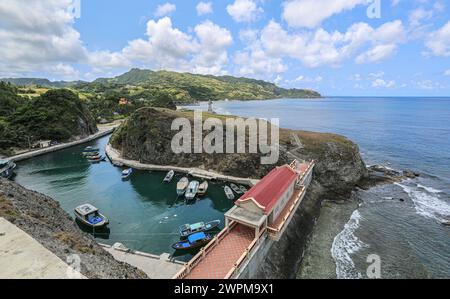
{"points": [[186, 87]]}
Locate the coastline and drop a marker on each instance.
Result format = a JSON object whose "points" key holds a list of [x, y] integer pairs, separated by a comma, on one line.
{"points": [[103, 130], [115, 156]]}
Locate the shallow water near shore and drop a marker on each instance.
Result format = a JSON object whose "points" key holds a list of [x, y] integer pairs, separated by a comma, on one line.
{"points": [[402, 133], [144, 213]]}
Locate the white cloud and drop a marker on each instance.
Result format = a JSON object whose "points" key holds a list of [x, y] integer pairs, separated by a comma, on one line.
{"points": [[244, 10], [310, 13], [447, 72], [38, 36], [439, 41], [417, 16], [204, 8], [165, 9], [428, 85], [319, 47], [381, 83], [305, 79]]}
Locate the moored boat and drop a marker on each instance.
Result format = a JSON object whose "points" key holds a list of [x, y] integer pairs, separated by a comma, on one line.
{"points": [[127, 173], [90, 216], [446, 223], [7, 168], [192, 190], [228, 192], [182, 185], [203, 188], [91, 149], [243, 189], [193, 241], [169, 176], [235, 188], [189, 229], [96, 159]]}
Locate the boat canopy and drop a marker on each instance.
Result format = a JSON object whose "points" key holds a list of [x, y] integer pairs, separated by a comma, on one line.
{"points": [[196, 237], [197, 226], [86, 209]]}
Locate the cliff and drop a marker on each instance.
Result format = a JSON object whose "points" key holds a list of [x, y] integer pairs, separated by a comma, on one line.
{"points": [[146, 136], [43, 219]]}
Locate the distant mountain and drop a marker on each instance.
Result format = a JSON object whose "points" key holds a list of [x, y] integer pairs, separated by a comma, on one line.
{"points": [[194, 87], [40, 82]]}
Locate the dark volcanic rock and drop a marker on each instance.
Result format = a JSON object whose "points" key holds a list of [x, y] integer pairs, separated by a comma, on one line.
{"points": [[43, 219]]}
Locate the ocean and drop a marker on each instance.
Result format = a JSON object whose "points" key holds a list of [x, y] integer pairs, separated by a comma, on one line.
{"points": [[400, 133]]}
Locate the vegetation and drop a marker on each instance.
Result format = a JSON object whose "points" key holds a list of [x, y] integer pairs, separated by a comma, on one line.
{"points": [[57, 115]]}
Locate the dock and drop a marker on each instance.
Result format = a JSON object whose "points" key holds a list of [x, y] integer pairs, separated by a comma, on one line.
{"points": [[116, 158], [155, 266]]}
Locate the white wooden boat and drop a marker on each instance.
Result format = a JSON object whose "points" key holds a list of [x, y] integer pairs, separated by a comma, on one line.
{"points": [[243, 189], [90, 216], [7, 168], [169, 176], [182, 185], [235, 188], [228, 192], [203, 188], [192, 190], [127, 173]]}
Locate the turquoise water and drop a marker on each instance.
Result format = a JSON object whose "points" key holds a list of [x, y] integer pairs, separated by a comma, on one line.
{"points": [[144, 213], [402, 133]]}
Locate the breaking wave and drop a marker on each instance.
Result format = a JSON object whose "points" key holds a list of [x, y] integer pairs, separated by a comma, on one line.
{"points": [[427, 202], [344, 245]]}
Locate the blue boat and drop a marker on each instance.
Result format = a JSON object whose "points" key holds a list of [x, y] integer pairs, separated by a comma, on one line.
{"points": [[90, 216], [193, 241]]}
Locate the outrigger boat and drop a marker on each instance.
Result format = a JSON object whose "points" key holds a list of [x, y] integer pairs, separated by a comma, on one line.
{"points": [[193, 241], [228, 192], [203, 188], [235, 188], [182, 185], [90, 216], [169, 176], [91, 149], [127, 173], [192, 190], [189, 229], [243, 189]]}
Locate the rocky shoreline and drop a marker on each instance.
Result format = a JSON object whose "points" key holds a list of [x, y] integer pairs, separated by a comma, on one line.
{"points": [[42, 218]]}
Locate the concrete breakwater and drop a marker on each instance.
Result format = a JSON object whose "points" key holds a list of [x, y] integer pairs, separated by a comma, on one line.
{"points": [[115, 157], [103, 131]]}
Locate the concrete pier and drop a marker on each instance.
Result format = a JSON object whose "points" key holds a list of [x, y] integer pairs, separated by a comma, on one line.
{"points": [[155, 266], [115, 157]]}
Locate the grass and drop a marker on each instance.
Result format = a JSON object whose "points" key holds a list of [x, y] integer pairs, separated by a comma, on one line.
{"points": [[7, 209]]}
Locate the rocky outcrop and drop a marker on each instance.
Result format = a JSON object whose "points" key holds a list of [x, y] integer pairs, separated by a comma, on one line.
{"points": [[146, 137], [43, 219]]}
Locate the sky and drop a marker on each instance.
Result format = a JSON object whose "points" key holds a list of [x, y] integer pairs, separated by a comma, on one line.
{"points": [[338, 47]]}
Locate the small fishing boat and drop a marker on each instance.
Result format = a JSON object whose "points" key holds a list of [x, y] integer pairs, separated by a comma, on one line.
{"points": [[235, 188], [127, 173], [193, 241], [169, 176], [90, 216], [192, 190], [243, 189], [96, 159], [228, 192], [7, 168], [189, 229], [182, 185], [91, 149], [203, 188]]}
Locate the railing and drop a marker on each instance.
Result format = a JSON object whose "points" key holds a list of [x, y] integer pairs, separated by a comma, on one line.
{"points": [[203, 252]]}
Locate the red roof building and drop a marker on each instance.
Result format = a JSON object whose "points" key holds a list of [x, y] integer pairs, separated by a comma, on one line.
{"points": [[271, 188]]}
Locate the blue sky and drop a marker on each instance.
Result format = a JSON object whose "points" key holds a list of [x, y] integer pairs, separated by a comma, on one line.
{"points": [[332, 46]]}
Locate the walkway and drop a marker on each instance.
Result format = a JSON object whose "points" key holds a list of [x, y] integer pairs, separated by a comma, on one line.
{"points": [[115, 156], [218, 263], [22, 257], [103, 130], [156, 267]]}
